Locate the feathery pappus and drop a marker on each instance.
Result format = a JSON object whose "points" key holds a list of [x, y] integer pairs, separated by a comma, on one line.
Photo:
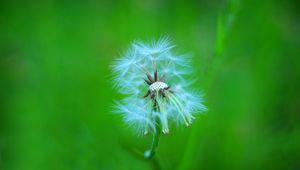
{"points": [[155, 82]]}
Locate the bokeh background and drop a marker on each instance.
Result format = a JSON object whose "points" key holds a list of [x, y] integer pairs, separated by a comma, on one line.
{"points": [[57, 96]]}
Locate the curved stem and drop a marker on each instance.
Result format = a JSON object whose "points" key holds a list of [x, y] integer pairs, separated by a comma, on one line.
{"points": [[156, 135]]}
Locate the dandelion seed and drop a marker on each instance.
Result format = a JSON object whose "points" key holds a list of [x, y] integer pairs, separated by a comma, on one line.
{"points": [[155, 83]]}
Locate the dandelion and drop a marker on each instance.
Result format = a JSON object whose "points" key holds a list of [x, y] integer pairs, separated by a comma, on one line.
{"points": [[154, 81]]}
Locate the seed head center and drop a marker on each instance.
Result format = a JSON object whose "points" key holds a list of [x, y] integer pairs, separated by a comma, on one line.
{"points": [[157, 86]]}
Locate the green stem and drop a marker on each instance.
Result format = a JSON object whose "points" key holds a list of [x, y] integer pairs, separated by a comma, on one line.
{"points": [[156, 135]]}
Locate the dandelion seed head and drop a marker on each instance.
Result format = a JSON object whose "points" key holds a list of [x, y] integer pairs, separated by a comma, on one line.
{"points": [[151, 74]]}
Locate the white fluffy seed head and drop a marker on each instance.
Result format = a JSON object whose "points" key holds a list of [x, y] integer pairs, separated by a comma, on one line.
{"points": [[130, 71], [157, 86]]}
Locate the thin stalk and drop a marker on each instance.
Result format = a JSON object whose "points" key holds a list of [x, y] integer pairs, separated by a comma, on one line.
{"points": [[156, 134]]}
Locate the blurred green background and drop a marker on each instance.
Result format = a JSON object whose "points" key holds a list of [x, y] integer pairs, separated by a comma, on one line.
{"points": [[57, 95]]}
